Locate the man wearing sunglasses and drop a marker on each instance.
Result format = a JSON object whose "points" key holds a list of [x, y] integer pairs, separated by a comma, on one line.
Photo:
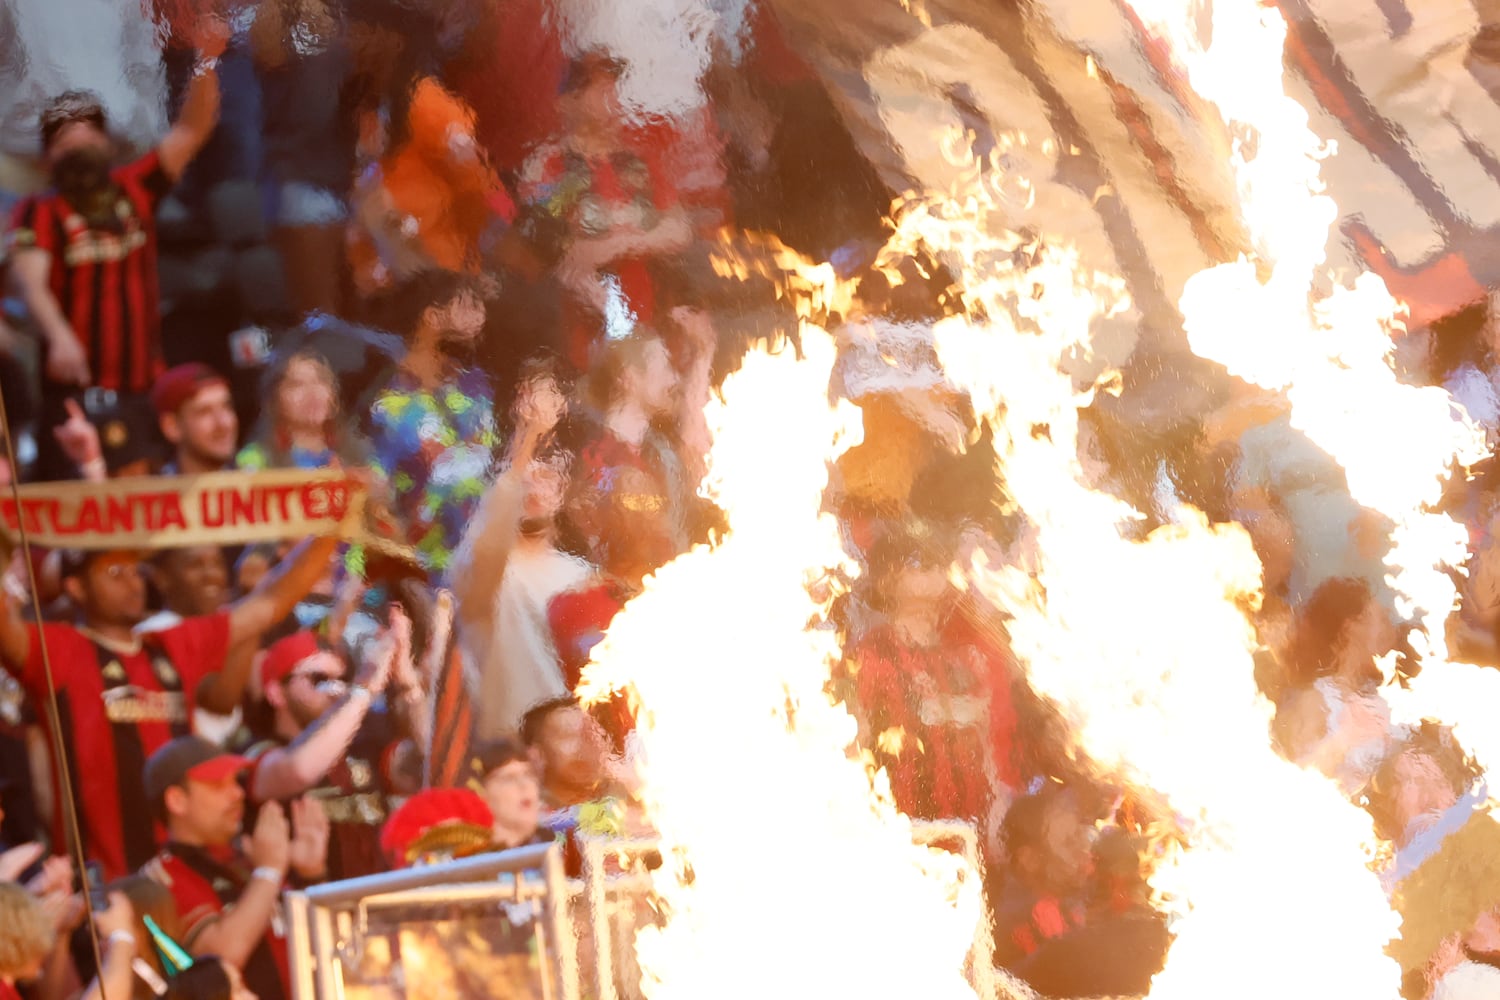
{"points": [[326, 738]]}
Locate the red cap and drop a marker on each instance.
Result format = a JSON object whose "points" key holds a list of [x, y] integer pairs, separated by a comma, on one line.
{"points": [[178, 385], [442, 821], [188, 757], [284, 655]]}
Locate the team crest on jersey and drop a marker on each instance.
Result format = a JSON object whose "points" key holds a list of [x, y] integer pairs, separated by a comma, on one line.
{"points": [[114, 672], [361, 774], [167, 674]]}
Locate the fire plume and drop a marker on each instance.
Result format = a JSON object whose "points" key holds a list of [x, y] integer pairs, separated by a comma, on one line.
{"points": [[789, 870]]}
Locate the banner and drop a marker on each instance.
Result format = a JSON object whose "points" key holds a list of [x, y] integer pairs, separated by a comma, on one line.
{"points": [[219, 508], [1114, 154]]}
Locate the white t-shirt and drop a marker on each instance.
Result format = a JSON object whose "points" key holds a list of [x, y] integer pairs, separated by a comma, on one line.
{"points": [[515, 664]]}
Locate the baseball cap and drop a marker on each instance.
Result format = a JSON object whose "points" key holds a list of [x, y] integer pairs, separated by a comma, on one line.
{"points": [[178, 385], [284, 655], [188, 757]]}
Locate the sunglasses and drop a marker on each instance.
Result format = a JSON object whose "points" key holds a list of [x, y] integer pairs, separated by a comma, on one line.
{"points": [[317, 677]]}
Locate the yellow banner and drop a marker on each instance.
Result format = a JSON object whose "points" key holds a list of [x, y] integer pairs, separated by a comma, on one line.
{"points": [[219, 508]]}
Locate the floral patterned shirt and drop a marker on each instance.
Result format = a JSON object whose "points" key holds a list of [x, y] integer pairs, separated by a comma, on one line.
{"points": [[435, 450]]}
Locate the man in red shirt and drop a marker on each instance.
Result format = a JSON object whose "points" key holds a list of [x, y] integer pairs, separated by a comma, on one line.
{"points": [[227, 887], [83, 258], [121, 695]]}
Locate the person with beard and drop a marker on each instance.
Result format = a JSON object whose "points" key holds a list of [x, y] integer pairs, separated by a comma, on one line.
{"points": [[326, 739], [227, 886], [509, 568], [121, 695], [196, 415], [83, 258], [432, 429]]}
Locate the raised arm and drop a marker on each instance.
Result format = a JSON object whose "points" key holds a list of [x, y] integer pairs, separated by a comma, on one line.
{"points": [[486, 547], [200, 107], [275, 596], [222, 691], [291, 770]]}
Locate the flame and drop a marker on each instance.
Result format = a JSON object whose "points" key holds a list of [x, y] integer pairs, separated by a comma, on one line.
{"points": [[1145, 646], [1266, 321], [787, 861]]}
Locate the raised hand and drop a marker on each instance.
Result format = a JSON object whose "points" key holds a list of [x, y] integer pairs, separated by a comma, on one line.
{"points": [[78, 437], [379, 662], [308, 852], [56, 876]]}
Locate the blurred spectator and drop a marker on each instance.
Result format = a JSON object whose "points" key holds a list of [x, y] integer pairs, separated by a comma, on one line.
{"points": [[228, 890], [618, 210], [304, 62], [124, 694], [1424, 790], [632, 500], [507, 779], [933, 708], [509, 569], [430, 199], [26, 939], [1336, 720], [196, 415], [432, 430], [301, 425], [571, 750], [194, 582], [1047, 837], [322, 738], [83, 257]]}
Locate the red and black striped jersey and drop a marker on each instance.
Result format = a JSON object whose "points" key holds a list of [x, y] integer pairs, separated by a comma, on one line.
{"points": [[105, 280]]}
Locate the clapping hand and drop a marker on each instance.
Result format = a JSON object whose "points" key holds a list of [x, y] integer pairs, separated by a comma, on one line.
{"points": [[16, 860], [270, 841], [308, 853]]}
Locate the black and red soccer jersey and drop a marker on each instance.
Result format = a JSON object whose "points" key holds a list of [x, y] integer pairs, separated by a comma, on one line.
{"points": [[115, 709], [104, 278]]}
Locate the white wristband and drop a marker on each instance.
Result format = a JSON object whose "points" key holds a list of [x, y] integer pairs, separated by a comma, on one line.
{"points": [[268, 874], [359, 689], [123, 936]]}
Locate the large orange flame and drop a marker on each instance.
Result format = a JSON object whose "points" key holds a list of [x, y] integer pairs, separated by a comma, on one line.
{"points": [[790, 873]]}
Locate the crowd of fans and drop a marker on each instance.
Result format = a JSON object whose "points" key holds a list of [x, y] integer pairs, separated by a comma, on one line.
{"points": [[375, 246]]}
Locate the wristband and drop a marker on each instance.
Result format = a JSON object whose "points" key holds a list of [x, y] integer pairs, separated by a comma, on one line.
{"points": [[355, 690], [93, 467], [122, 936], [268, 874]]}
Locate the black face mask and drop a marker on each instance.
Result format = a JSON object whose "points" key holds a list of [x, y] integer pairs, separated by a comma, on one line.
{"points": [[82, 177], [463, 353]]}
